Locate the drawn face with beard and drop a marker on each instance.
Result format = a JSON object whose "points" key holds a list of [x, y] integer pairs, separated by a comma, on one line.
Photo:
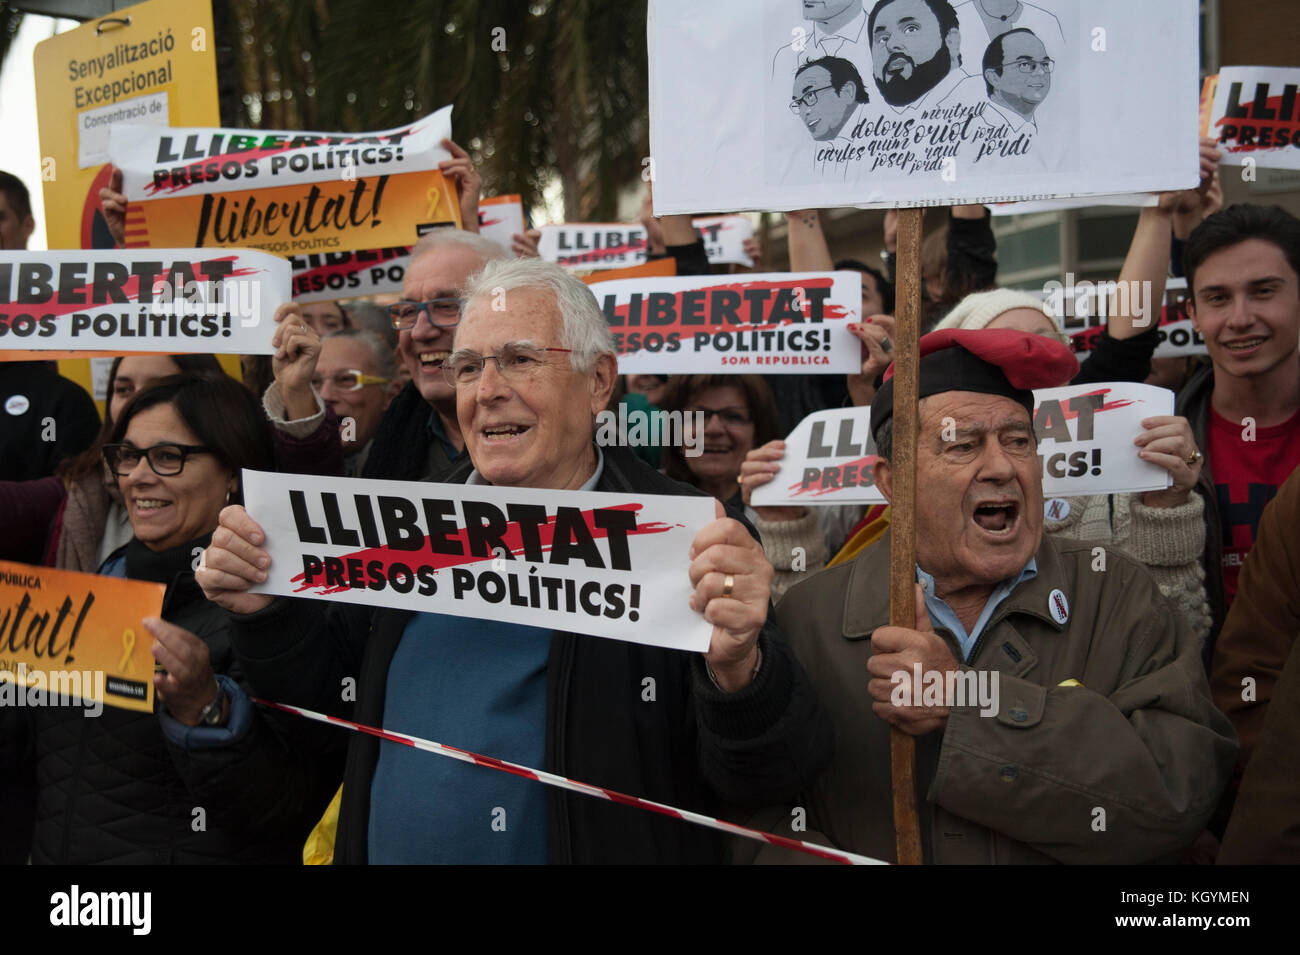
{"points": [[909, 55]]}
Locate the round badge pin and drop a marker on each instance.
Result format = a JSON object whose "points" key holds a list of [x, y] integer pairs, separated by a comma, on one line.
{"points": [[17, 404], [1057, 509], [1058, 606]]}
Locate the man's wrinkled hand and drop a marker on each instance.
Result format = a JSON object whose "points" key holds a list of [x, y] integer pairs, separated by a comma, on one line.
{"points": [[723, 553], [895, 649]]}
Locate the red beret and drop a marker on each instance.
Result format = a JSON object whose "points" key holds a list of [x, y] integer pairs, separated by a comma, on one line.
{"points": [[996, 361]]}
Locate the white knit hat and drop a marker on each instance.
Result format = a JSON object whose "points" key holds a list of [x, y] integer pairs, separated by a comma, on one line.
{"points": [[980, 308]]}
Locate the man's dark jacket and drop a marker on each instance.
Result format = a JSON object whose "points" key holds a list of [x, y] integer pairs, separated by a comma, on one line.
{"points": [[693, 747]]}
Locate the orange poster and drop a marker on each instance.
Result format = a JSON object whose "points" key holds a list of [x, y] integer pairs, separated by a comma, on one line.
{"points": [[334, 216], [75, 639]]}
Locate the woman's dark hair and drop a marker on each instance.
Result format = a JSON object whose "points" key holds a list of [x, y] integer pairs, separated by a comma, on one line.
{"points": [[222, 413], [91, 461], [883, 285], [1239, 223], [758, 399]]}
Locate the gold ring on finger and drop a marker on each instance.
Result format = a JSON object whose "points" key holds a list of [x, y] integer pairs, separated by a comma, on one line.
{"points": [[1196, 456], [728, 583]]}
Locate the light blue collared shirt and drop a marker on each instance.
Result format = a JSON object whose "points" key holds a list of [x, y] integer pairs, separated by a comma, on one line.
{"points": [[941, 615]]}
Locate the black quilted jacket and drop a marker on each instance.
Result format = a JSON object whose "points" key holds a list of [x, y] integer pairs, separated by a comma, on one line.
{"points": [[113, 789]]}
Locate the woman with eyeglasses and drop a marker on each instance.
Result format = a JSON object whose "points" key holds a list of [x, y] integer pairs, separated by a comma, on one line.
{"points": [[725, 417], [207, 777], [74, 519]]}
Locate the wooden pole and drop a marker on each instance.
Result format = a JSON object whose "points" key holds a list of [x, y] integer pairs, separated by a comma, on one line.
{"points": [[902, 509]]}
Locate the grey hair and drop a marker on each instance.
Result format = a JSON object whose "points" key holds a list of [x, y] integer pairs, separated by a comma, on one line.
{"points": [[385, 362], [583, 330], [485, 249]]}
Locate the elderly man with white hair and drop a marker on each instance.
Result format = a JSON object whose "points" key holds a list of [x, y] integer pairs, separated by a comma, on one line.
{"points": [[532, 365], [418, 435]]}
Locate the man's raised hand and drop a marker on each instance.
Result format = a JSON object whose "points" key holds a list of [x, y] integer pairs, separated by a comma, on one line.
{"points": [[723, 553]]}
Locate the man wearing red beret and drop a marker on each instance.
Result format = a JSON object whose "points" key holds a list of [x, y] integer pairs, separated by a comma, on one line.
{"points": [[1059, 705]]}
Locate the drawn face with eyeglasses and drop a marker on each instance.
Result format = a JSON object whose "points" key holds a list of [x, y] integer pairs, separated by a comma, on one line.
{"points": [[425, 343], [528, 418], [821, 109], [347, 380], [728, 432], [173, 487], [1025, 77]]}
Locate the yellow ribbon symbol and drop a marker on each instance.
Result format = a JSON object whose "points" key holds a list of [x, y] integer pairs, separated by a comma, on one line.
{"points": [[128, 647], [433, 195]]}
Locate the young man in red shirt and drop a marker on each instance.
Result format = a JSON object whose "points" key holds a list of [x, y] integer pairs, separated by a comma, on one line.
{"points": [[1243, 271]]}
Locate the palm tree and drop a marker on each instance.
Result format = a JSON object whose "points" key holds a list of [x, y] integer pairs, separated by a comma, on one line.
{"points": [[540, 90]]}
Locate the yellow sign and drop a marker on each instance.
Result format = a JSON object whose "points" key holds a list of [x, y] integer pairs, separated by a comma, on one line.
{"points": [[151, 63], [69, 638]]}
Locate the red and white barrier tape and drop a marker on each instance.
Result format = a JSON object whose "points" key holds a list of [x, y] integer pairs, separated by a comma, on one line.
{"points": [[561, 782]]}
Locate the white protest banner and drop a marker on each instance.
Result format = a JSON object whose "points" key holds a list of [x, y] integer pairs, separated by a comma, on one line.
{"points": [[608, 565], [890, 104], [585, 246], [1085, 437], [1085, 446], [1255, 115], [1082, 310], [593, 245], [330, 275], [157, 162], [500, 218], [830, 458], [284, 191], [724, 239], [777, 323], [134, 300]]}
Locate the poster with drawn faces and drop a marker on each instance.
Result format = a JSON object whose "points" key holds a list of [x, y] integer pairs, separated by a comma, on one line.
{"points": [[794, 104], [895, 89]]}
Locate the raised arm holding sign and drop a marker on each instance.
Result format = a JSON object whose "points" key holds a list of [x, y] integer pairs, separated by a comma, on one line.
{"points": [[543, 537]]}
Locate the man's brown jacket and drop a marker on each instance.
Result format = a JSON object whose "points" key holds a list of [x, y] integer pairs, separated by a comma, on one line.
{"points": [[1125, 767]]}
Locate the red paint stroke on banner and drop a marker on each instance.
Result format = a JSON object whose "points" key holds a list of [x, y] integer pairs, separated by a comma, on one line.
{"points": [[815, 487], [349, 267], [1274, 103], [512, 538], [595, 255], [830, 310], [263, 152], [131, 289], [1069, 413]]}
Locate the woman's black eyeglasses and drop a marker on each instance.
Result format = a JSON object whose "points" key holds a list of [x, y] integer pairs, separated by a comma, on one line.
{"points": [[166, 460]]}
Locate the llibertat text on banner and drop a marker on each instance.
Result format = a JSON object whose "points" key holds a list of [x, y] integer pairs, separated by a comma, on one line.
{"points": [[140, 300], [284, 191], [591, 246], [1255, 115], [1082, 307], [1085, 446], [608, 565], [777, 323], [324, 276]]}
